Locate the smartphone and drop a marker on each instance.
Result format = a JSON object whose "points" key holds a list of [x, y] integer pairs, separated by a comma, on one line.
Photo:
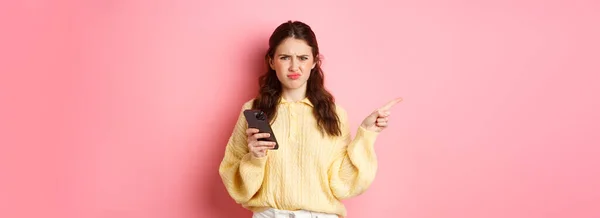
{"points": [[258, 119]]}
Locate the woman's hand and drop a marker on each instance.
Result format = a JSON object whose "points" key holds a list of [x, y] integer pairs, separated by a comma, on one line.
{"points": [[256, 147], [378, 120]]}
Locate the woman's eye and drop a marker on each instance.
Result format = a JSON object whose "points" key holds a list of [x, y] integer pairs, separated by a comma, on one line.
{"points": [[284, 58]]}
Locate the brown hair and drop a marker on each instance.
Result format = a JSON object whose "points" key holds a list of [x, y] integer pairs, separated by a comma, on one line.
{"points": [[270, 87]]}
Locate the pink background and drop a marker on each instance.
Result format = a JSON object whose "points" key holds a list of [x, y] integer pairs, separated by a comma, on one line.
{"points": [[122, 109]]}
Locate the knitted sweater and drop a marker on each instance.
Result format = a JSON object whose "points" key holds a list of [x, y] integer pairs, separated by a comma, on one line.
{"points": [[309, 171]]}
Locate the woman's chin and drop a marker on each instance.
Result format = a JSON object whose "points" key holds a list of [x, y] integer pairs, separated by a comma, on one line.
{"points": [[295, 84]]}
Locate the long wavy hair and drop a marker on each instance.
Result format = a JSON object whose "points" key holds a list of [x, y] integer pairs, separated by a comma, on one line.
{"points": [[270, 90]]}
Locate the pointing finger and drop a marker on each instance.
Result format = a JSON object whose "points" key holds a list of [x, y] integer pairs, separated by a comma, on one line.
{"points": [[391, 103]]}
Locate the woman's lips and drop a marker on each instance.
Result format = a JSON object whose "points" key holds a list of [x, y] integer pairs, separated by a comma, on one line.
{"points": [[293, 76]]}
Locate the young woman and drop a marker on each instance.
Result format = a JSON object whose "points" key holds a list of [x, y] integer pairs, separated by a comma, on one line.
{"points": [[317, 163]]}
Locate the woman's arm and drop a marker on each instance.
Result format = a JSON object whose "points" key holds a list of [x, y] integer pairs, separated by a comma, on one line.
{"points": [[355, 163], [241, 172]]}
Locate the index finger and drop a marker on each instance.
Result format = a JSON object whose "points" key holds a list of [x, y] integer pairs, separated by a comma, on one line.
{"points": [[251, 131], [391, 103]]}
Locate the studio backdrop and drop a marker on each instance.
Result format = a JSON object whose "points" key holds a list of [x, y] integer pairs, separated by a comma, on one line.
{"points": [[122, 109]]}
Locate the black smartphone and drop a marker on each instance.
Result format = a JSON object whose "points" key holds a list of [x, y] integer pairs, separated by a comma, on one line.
{"points": [[258, 119]]}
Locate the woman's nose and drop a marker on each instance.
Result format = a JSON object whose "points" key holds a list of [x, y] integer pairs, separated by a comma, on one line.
{"points": [[294, 65]]}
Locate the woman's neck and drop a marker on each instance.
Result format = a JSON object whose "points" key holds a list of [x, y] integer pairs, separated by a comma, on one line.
{"points": [[294, 95]]}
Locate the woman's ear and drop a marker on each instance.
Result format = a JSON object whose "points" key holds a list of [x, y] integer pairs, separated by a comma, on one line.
{"points": [[270, 60], [317, 61]]}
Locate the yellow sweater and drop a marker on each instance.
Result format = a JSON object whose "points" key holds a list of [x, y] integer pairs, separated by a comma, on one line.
{"points": [[309, 171]]}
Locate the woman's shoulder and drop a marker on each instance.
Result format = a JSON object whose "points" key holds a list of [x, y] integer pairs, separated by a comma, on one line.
{"points": [[340, 109], [248, 104]]}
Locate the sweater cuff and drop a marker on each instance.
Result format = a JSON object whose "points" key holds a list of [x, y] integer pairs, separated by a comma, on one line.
{"points": [[367, 135]]}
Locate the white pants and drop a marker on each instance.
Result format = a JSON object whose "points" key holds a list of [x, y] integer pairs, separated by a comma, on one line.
{"points": [[275, 213]]}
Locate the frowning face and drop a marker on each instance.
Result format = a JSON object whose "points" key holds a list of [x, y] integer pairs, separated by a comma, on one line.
{"points": [[293, 60]]}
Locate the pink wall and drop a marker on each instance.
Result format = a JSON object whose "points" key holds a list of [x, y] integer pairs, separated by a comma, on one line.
{"points": [[122, 108]]}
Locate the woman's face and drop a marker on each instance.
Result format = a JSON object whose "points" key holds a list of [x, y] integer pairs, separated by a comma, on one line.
{"points": [[293, 61]]}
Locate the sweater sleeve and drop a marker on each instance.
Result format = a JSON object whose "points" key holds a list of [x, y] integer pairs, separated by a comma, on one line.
{"points": [[241, 172], [355, 163]]}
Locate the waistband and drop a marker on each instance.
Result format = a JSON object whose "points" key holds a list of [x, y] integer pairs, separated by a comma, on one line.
{"points": [[276, 213]]}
